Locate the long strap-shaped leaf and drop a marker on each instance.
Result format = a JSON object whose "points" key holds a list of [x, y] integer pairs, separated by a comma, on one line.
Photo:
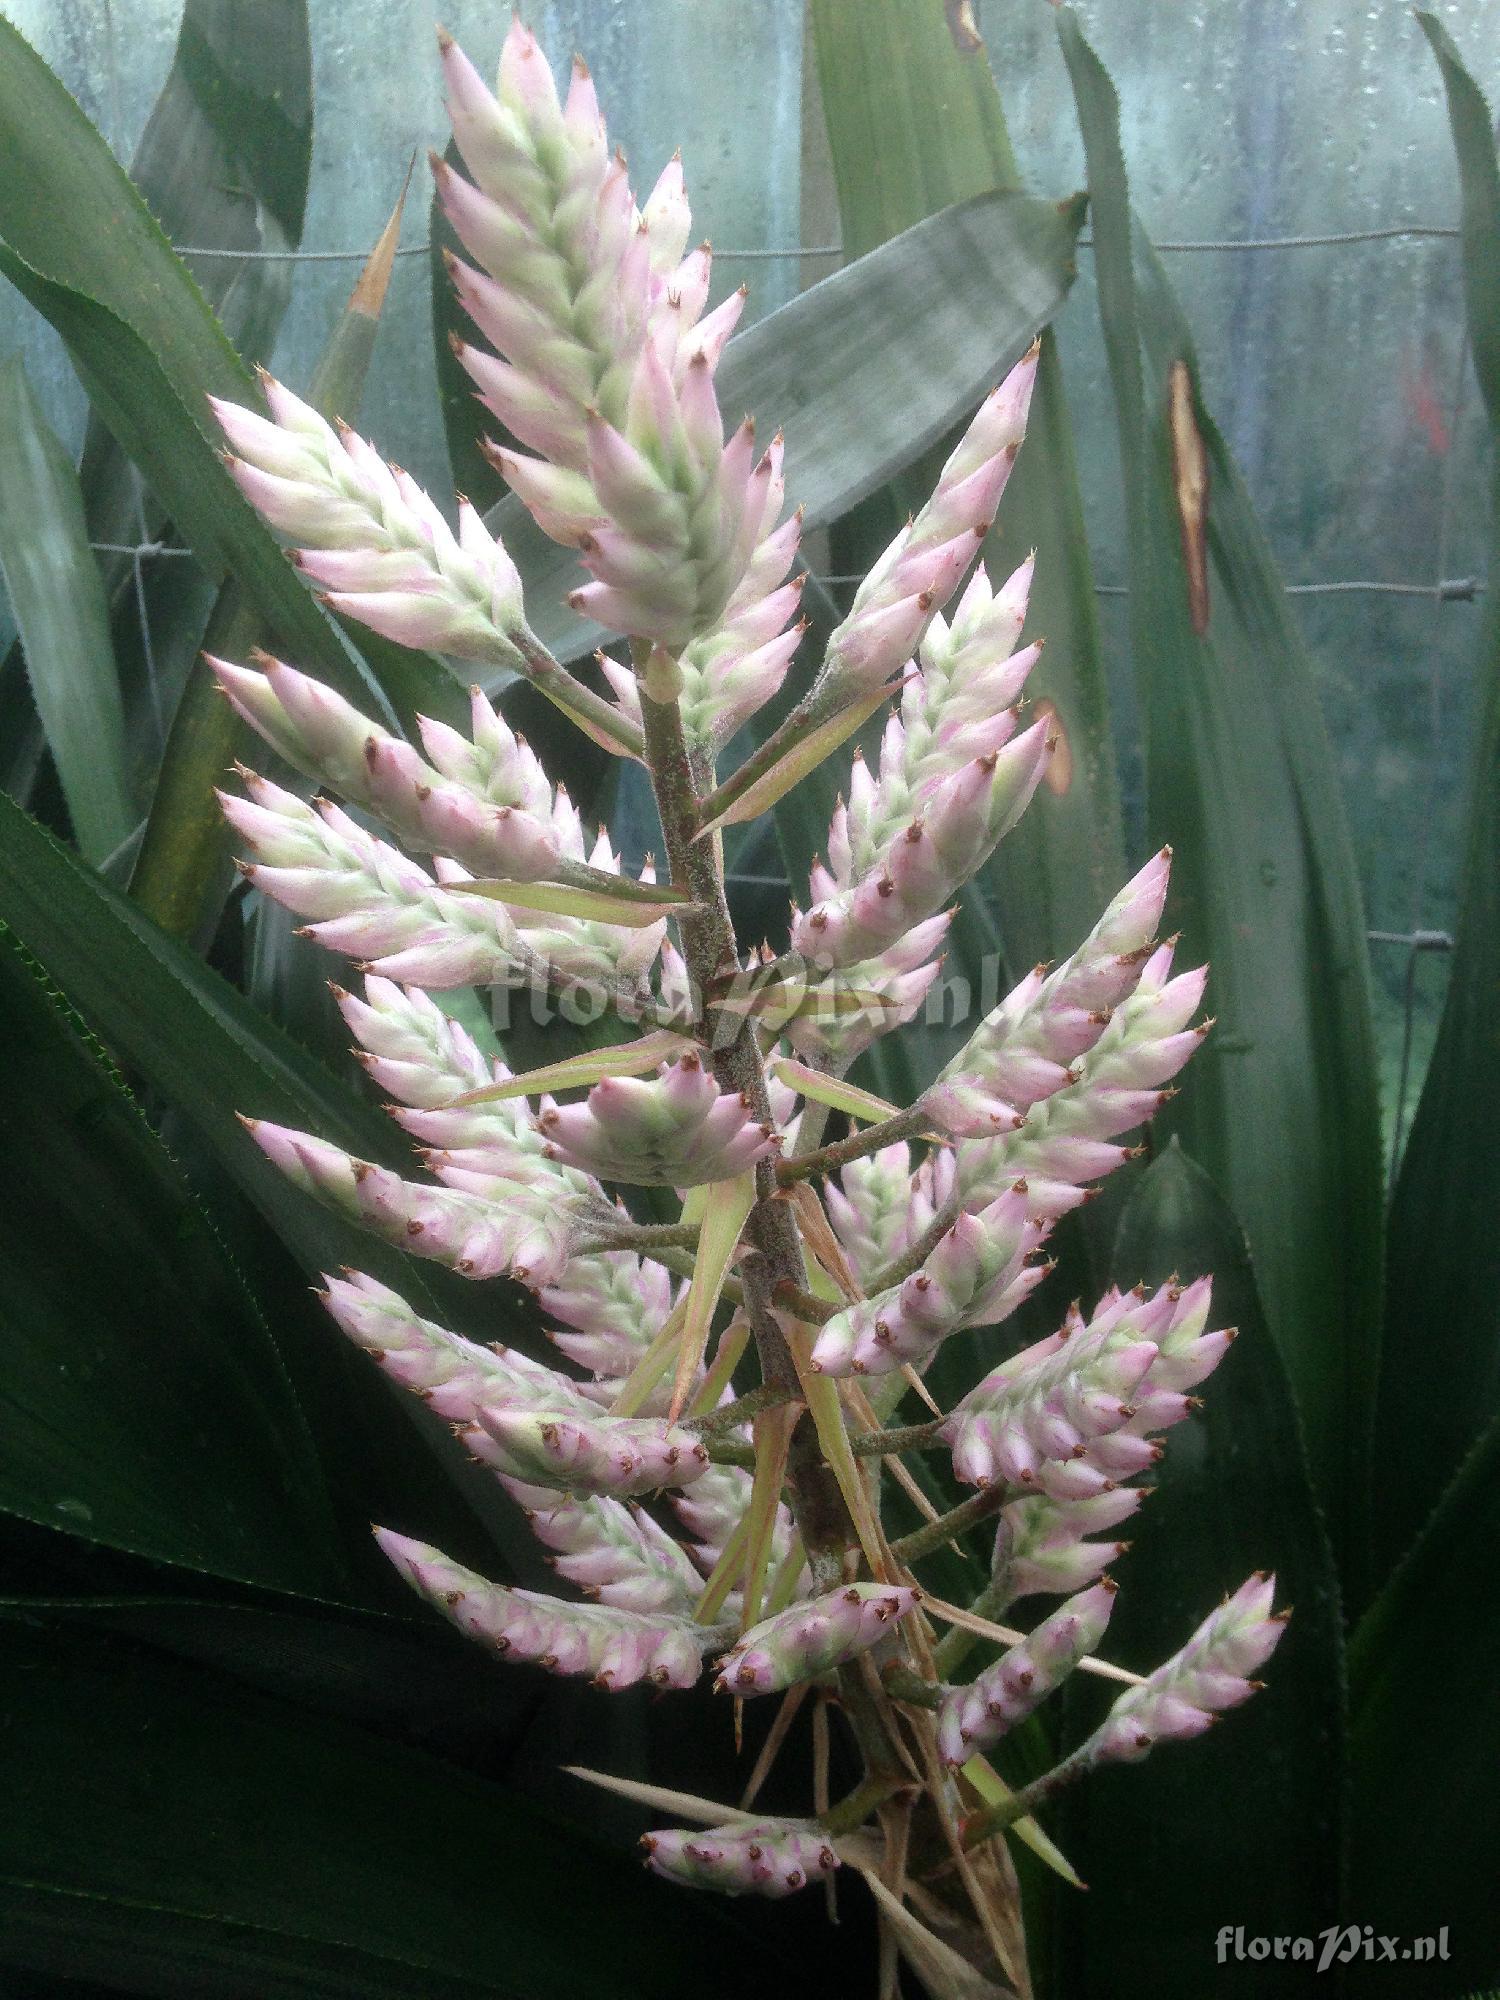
{"points": [[1282, 1109], [1441, 1369], [222, 164], [77, 239], [209, 1053], [1424, 1730], [146, 1406], [1232, 1495], [173, 1830], [57, 596]]}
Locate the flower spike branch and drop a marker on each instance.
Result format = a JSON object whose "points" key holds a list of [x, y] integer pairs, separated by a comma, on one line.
{"points": [[708, 1456]]}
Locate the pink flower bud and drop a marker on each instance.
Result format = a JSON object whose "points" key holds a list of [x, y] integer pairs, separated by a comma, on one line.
{"points": [[675, 1130], [392, 560], [978, 1274], [975, 1716], [813, 1638], [774, 1858], [929, 558], [1210, 1673], [585, 1453], [614, 1648], [1040, 1545]]}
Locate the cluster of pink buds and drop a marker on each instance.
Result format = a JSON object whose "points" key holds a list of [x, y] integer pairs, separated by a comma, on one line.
{"points": [[603, 361], [578, 1454], [675, 1130], [1078, 1412], [372, 536], [1006, 1693], [813, 1638], [737, 1304], [1188, 1693], [771, 1858], [613, 1647]]}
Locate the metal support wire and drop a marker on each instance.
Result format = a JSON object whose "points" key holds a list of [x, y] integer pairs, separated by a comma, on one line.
{"points": [[795, 252], [295, 256], [1451, 590], [1394, 234]]}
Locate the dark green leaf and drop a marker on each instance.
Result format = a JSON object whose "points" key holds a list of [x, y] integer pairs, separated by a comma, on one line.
{"points": [[1479, 186], [207, 1050], [57, 597], [146, 1406], [225, 155], [1281, 1108], [1441, 1382], [82, 246], [866, 369], [1241, 1826], [1423, 1731], [69, 214], [183, 1836], [364, 1666], [223, 165]]}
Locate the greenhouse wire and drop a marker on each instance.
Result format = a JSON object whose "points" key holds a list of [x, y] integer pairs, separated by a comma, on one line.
{"points": [[1443, 590], [1394, 232], [1451, 590]]}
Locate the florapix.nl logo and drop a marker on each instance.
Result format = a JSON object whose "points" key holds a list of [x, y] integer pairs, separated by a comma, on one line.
{"points": [[1339, 1944]]}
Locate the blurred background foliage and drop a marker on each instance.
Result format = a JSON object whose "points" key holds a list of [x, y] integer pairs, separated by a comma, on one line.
{"points": [[190, 1607]]}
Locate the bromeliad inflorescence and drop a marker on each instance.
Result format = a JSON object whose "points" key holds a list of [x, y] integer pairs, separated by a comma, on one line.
{"points": [[708, 1466]]}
